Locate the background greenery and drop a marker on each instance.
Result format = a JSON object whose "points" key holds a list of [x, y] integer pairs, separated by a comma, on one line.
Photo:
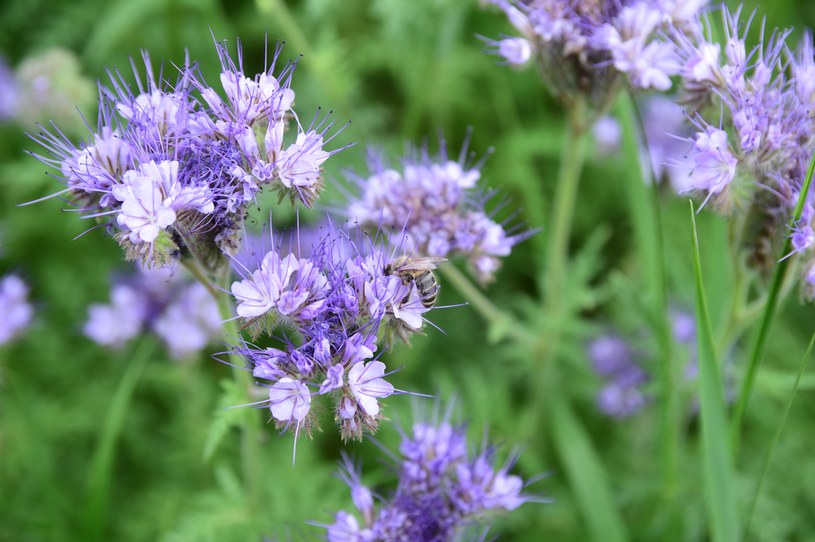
{"points": [[403, 72]]}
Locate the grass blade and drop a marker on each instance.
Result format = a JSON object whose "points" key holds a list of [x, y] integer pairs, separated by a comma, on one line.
{"points": [[760, 342], [778, 431], [585, 472], [716, 458], [101, 464]]}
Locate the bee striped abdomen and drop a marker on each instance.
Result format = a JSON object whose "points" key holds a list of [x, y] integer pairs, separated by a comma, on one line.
{"points": [[428, 288]]}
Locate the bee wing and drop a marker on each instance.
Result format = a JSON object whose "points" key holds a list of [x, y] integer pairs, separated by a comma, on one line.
{"points": [[421, 264]]}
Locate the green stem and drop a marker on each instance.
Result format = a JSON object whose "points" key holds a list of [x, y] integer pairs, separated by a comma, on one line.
{"points": [[197, 271], [501, 323], [759, 345], [646, 216], [250, 436], [101, 465], [557, 254]]}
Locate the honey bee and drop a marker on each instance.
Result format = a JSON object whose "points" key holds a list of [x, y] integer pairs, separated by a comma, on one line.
{"points": [[420, 272]]}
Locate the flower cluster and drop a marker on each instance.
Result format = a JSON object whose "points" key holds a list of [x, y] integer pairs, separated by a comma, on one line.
{"points": [[755, 129], [16, 310], [614, 361], [328, 311], [442, 490], [437, 203], [585, 47], [621, 367], [173, 167], [182, 313]]}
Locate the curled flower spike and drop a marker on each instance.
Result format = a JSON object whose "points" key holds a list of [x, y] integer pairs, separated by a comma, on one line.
{"points": [[172, 168], [436, 204], [751, 105], [444, 489], [329, 310]]}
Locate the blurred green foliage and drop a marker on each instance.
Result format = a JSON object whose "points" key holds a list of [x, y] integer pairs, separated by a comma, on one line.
{"points": [[403, 72]]}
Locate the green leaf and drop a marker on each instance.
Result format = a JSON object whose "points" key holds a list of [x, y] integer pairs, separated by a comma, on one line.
{"points": [[585, 472], [716, 461]]}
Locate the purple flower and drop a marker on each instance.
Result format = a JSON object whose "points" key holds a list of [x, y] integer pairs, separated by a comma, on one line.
{"points": [[623, 393], [327, 309], [583, 50], [174, 167], [367, 385], [289, 400], [182, 313], [714, 165], [621, 401], [435, 206], [443, 489], [615, 361], [750, 104], [607, 135], [666, 130], [17, 312], [292, 287], [9, 92], [189, 323], [115, 324]]}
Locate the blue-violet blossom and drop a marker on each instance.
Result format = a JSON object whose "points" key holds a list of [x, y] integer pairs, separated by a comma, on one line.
{"points": [[329, 310], [443, 491], [173, 167], [181, 312], [437, 204]]}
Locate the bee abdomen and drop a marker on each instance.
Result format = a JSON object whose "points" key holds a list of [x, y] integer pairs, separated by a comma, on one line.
{"points": [[428, 289]]}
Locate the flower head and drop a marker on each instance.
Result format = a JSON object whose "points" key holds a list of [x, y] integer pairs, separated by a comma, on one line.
{"points": [[584, 48], [435, 203], [174, 167], [615, 361], [444, 487], [163, 301], [329, 309]]}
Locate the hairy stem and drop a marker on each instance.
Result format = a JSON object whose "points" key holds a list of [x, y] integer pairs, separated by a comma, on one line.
{"points": [[501, 322], [557, 254]]}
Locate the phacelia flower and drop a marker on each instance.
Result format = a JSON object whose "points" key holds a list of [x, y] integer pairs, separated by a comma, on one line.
{"points": [[329, 311], [16, 312], [614, 360], [436, 204], [584, 49], [751, 105], [626, 371], [173, 167], [182, 313], [444, 490]]}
